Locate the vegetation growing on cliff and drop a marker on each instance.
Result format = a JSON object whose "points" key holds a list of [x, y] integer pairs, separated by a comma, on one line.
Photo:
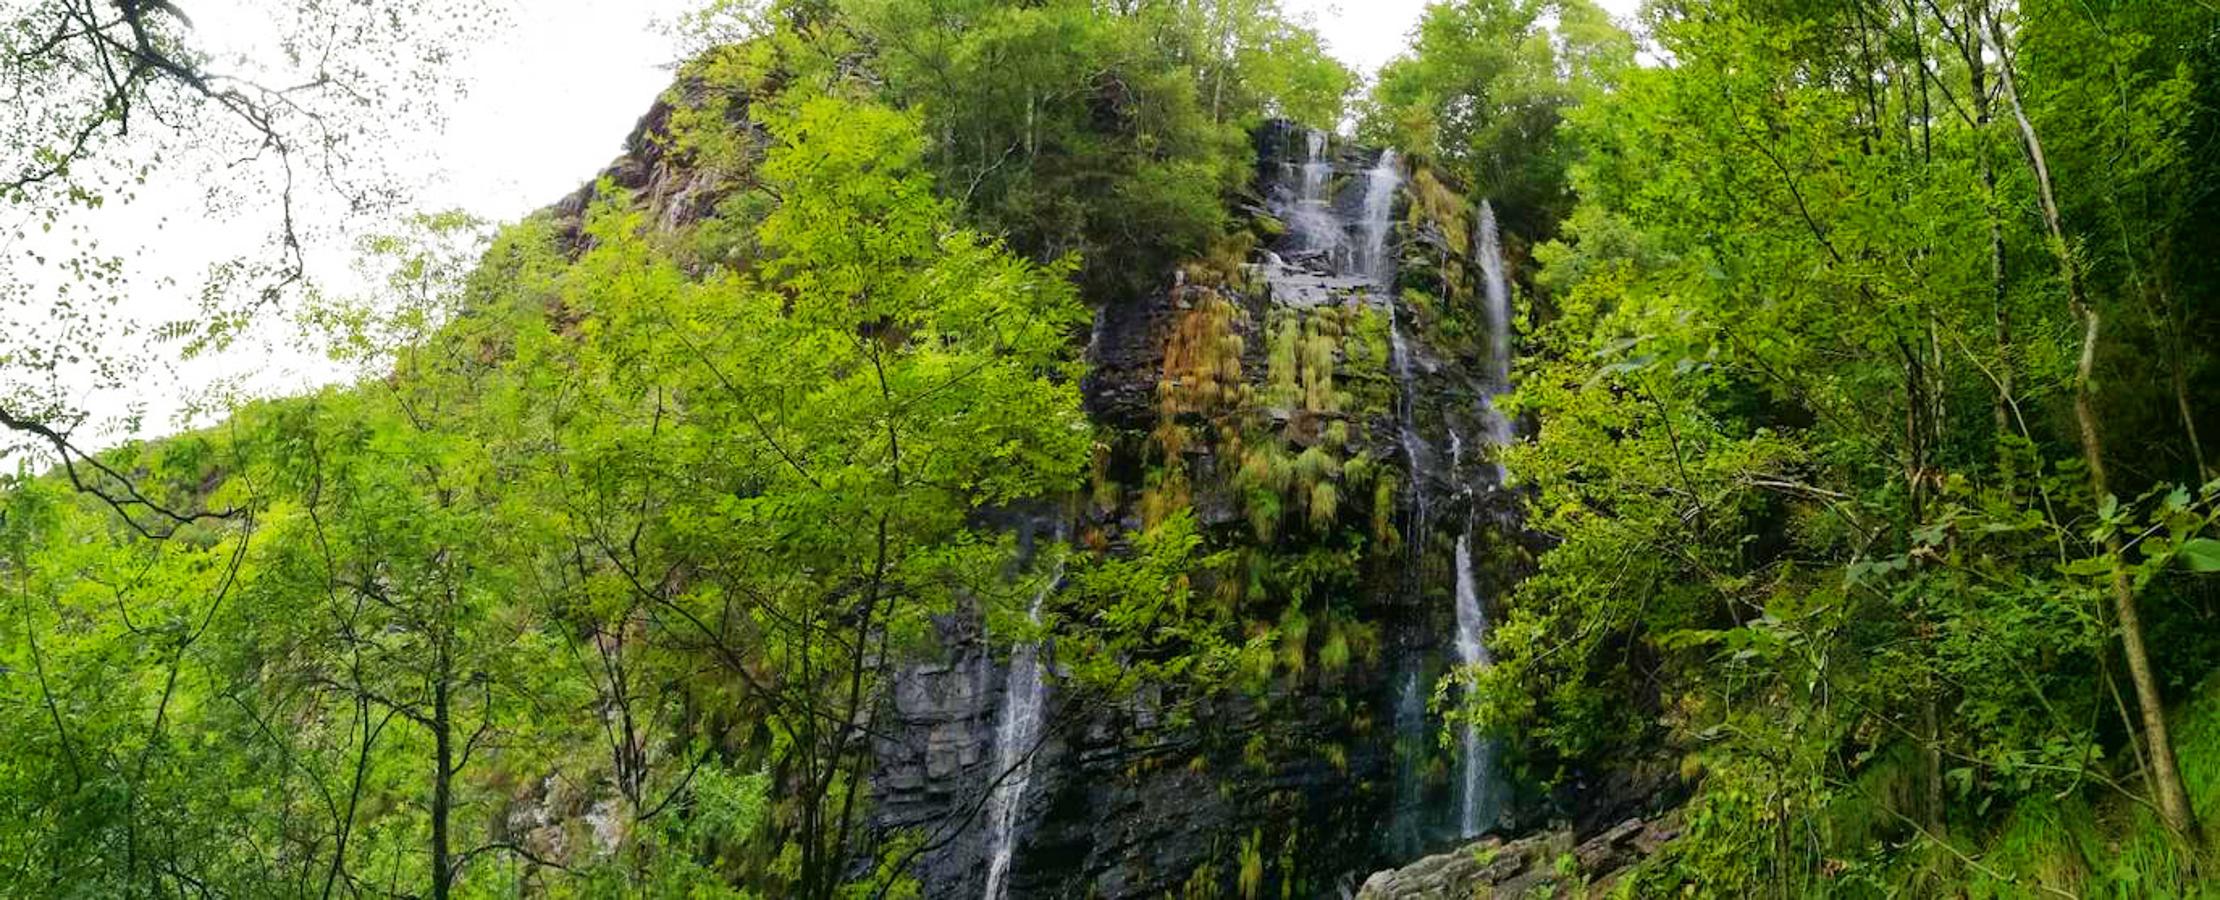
{"points": [[591, 584], [1863, 399]]}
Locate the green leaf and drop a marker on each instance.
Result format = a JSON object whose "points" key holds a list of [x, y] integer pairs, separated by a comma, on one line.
{"points": [[2199, 554]]}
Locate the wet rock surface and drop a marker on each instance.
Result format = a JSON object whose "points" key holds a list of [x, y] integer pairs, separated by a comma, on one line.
{"points": [[1317, 781], [1539, 865], [1122, 803], [1123, 798], [1323, 779], [1124, 356]]}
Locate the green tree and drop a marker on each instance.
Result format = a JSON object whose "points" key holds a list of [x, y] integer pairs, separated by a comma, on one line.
{"points": [[809, 447], [1860, 616], [1482, 90], [1114, 132], [112, 100]]}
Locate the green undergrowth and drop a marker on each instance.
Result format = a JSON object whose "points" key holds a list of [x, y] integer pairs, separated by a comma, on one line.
{"points": [[2091, 842], [2099, 842]]}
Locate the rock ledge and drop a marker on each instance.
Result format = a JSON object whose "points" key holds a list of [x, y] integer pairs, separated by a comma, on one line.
{"points": [[1492, 867]]}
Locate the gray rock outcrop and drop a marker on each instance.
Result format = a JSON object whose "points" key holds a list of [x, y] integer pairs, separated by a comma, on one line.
{"points": [[1536, 865]]}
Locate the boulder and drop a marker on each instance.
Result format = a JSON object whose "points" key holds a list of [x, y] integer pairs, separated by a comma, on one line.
{"points": [[1537, 865]]}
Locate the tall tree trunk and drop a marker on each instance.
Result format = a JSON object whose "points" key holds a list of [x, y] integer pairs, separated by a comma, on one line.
{"points": [[1977, 75], [1920, 429], [1998, 303], [2173, 800], [1997, 300], [442, 772]]}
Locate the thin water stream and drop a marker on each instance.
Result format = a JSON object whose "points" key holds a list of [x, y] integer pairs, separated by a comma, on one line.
{"points": [[1024, 697]]}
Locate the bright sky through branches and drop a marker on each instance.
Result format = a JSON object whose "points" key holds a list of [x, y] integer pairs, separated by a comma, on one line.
{"points": [[549, 96]]}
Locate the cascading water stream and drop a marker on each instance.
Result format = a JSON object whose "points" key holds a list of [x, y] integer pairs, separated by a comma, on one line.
{"points": [[1496, 293], [1355, 251], [1477, 758], [1310, 212], [1407, 422], [1380, 185], [1475, 806], [1377, 267], [1025, 694]]}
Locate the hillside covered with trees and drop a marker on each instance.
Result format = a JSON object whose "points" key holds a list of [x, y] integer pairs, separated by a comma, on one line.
{"points": [[1115, 449]]}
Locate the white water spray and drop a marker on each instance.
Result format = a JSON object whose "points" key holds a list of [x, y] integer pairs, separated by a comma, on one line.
{"points": [[1477, 758], [1497, 292], [1025, 695], [1380, 185], [1310, 213]]}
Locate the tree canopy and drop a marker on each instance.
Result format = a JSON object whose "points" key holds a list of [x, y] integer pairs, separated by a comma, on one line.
{"points": [[1857, 495]]}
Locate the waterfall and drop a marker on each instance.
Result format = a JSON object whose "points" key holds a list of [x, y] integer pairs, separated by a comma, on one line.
{"points": [[1406, 823], [1407, 424], [1315, 166], [1475, 806], [1380, 185], [1477, 758], [1497, 292], [1326, 255], [1379, 208], [1024, 696], [1309, 214], [1376, 265], [1094, 334]]}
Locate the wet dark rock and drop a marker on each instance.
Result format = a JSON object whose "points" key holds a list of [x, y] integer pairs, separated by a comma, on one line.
{"points": [[1538, 865], [1327, 778], [1125, 359], [1126, 799]]}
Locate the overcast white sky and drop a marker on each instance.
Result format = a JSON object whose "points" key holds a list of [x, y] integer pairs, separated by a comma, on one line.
{"points": [[551, 97]]}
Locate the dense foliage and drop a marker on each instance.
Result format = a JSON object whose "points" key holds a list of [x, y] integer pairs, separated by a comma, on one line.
{"points": [[1863, 357], [1869, 407], [1115, 132], [594, 580], [607, 518], [1483, 89]]}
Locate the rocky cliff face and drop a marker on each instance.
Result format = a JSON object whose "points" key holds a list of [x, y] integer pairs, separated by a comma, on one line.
{"points": [[1317, 392], [1343, 333]]}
